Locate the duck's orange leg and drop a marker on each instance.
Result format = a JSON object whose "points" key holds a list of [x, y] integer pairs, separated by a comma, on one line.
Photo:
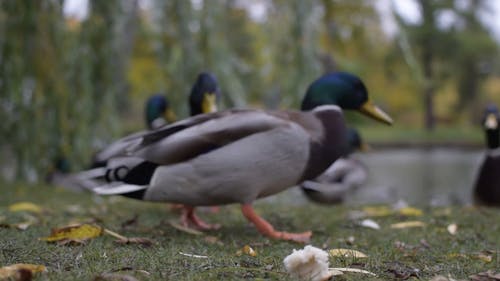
{"points": [[189, 217], [267, 229]]}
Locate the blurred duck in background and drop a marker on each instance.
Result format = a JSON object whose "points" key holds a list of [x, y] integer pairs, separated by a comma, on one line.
{"points": [[157, 112], [203, 98], [343, 177], [487, 187]]}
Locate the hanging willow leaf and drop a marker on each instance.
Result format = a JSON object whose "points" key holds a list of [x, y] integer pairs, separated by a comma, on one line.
{"points": [[80, 232]]}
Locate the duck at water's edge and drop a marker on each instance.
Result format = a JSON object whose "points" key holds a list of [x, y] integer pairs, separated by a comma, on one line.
{"points": [[487, 187]]}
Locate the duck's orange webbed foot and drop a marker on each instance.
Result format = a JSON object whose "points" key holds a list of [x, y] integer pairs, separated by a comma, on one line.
{"points": [[267, 229], [188, 218]]}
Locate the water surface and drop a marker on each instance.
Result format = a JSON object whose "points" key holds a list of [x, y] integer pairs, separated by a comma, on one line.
{"points": [[432, 176]]}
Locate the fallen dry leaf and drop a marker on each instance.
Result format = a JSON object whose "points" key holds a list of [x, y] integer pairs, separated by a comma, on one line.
{"points": [[410, 212], [21, 225], [247, 250], [377, 211], [114, 277], [407, 224], [443, 278], [452, 228], [25, 207], [193, 256], [485, 276], [136, 240], [185, 229], [483, 257], [130, 222], [456, 255], [127, 268], [346, 253], [335, 272], [370, 224], [213, 240], [11, 271], [403, 271], [80, 232], [354, 270]]}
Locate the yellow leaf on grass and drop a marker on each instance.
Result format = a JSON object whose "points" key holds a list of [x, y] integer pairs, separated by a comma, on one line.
{"points": [[483, 257], [346, 253], [11, 270], [377, 211], [78, 232], [457, 255], [407, 224], [247, 250], [410, 212], [26, 207]]}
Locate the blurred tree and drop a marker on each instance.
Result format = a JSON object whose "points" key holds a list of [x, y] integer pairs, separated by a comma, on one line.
{"points": [[437, 52], [58, 81], [474, 58]]}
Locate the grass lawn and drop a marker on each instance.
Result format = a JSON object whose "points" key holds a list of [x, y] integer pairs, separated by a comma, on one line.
{"points": [[393, 254]]}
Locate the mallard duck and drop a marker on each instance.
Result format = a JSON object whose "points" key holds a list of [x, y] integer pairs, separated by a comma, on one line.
{"points": [[202, 99], [487, 186], [238, 156], [204, 95], [157, 112], [345, 175]]}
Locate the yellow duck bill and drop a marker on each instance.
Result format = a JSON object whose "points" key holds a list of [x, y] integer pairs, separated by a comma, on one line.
{"points": [[371, 110], [209, 103]]}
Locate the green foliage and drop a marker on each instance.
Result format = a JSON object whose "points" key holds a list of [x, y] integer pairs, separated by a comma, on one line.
{"points": [[58, 84], [69, 86]]}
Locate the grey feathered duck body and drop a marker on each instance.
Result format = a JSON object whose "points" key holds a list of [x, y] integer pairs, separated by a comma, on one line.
{"points": [[235, 156]]}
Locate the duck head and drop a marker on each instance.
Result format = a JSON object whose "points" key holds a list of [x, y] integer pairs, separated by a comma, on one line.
{"points": [[345, 90], [356, 143], [158, 112], [204, 94], [491, 124]]}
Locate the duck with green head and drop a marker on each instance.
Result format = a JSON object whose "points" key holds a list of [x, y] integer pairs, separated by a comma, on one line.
{"points": [[158, 112], [239, 156], [344, 176], [487, 187]]}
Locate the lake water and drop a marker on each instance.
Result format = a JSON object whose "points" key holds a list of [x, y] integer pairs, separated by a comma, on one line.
{"points": [[434, 176]]}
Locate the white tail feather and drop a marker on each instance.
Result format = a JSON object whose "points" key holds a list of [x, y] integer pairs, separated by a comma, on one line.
{"points": [[91, 174], [115, 189]]}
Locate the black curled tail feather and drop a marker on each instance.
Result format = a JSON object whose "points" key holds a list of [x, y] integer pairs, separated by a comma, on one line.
{"points": [[132, 172], [139, 174]]}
